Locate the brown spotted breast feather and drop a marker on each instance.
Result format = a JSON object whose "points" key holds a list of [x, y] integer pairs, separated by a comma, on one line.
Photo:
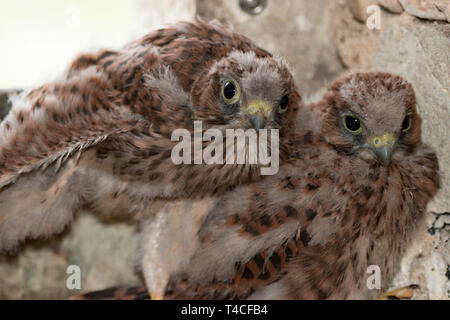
{"points": [[100, 136]]}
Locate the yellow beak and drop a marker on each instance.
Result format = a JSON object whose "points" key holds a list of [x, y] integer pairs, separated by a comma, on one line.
{"points": [[258, 110], [383, 146]]}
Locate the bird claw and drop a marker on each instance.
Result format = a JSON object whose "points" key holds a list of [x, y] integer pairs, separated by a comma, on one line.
{"points": [[155, 296], [401, 293]]}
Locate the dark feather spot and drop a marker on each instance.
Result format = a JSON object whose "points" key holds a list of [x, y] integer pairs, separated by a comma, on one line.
{"points": [[105, 54], [259, 260], [323, 295], [107, 64], [288, 250], [354, 257], [250, 228], [289, 185], [305, 237], [310, 214], [74, 89], [248, 274], [133, 161], [154, 150], [131, 291], [101, 294], [290, 212], [265, 221], [275, 260], [155, 163], [308, 137], [154, 176]]}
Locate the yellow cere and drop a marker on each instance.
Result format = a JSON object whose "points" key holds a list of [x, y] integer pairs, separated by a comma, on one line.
{"points": [[385, 139], [259, 106]]}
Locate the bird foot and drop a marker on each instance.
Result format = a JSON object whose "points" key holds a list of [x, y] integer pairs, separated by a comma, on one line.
{"points": [[156, 296], [401, 293]]}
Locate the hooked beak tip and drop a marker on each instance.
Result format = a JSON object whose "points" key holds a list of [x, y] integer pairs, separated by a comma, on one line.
{"points": [[384, 154], [257, 121]]}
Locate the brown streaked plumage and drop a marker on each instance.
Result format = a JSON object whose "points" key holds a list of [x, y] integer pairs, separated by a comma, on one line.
{"points": [[343, 203], [100, 135]]}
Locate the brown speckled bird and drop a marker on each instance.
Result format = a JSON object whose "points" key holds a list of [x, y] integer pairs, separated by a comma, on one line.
{"points": [[351, 197], [101, 135]]}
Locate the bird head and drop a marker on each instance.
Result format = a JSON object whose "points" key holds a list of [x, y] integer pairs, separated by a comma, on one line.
{"points": [[373, 115], [243, 90]]}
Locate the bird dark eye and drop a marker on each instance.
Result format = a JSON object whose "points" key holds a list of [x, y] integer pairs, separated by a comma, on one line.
{"points": [[352, 124], [406, 124], [231, 91], [284, 103]]}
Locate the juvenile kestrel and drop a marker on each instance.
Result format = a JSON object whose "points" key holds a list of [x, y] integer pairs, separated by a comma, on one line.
{"points": [[350, 198], [101, 135]]}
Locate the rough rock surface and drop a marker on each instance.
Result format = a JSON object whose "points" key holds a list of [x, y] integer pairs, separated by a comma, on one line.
{"points": [[427, 262], [444, 6], [105, 254], [359, 8], [426, 9], [354, 42], [391, 5], [297, 30]]}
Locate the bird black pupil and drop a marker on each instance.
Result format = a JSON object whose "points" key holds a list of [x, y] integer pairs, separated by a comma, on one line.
{"points": [[352, 123], [284, 102], [230, 90], [405, 123]]}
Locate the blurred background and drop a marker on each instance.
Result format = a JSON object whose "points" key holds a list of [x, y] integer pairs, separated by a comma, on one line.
{"points": [[321, 40]]}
